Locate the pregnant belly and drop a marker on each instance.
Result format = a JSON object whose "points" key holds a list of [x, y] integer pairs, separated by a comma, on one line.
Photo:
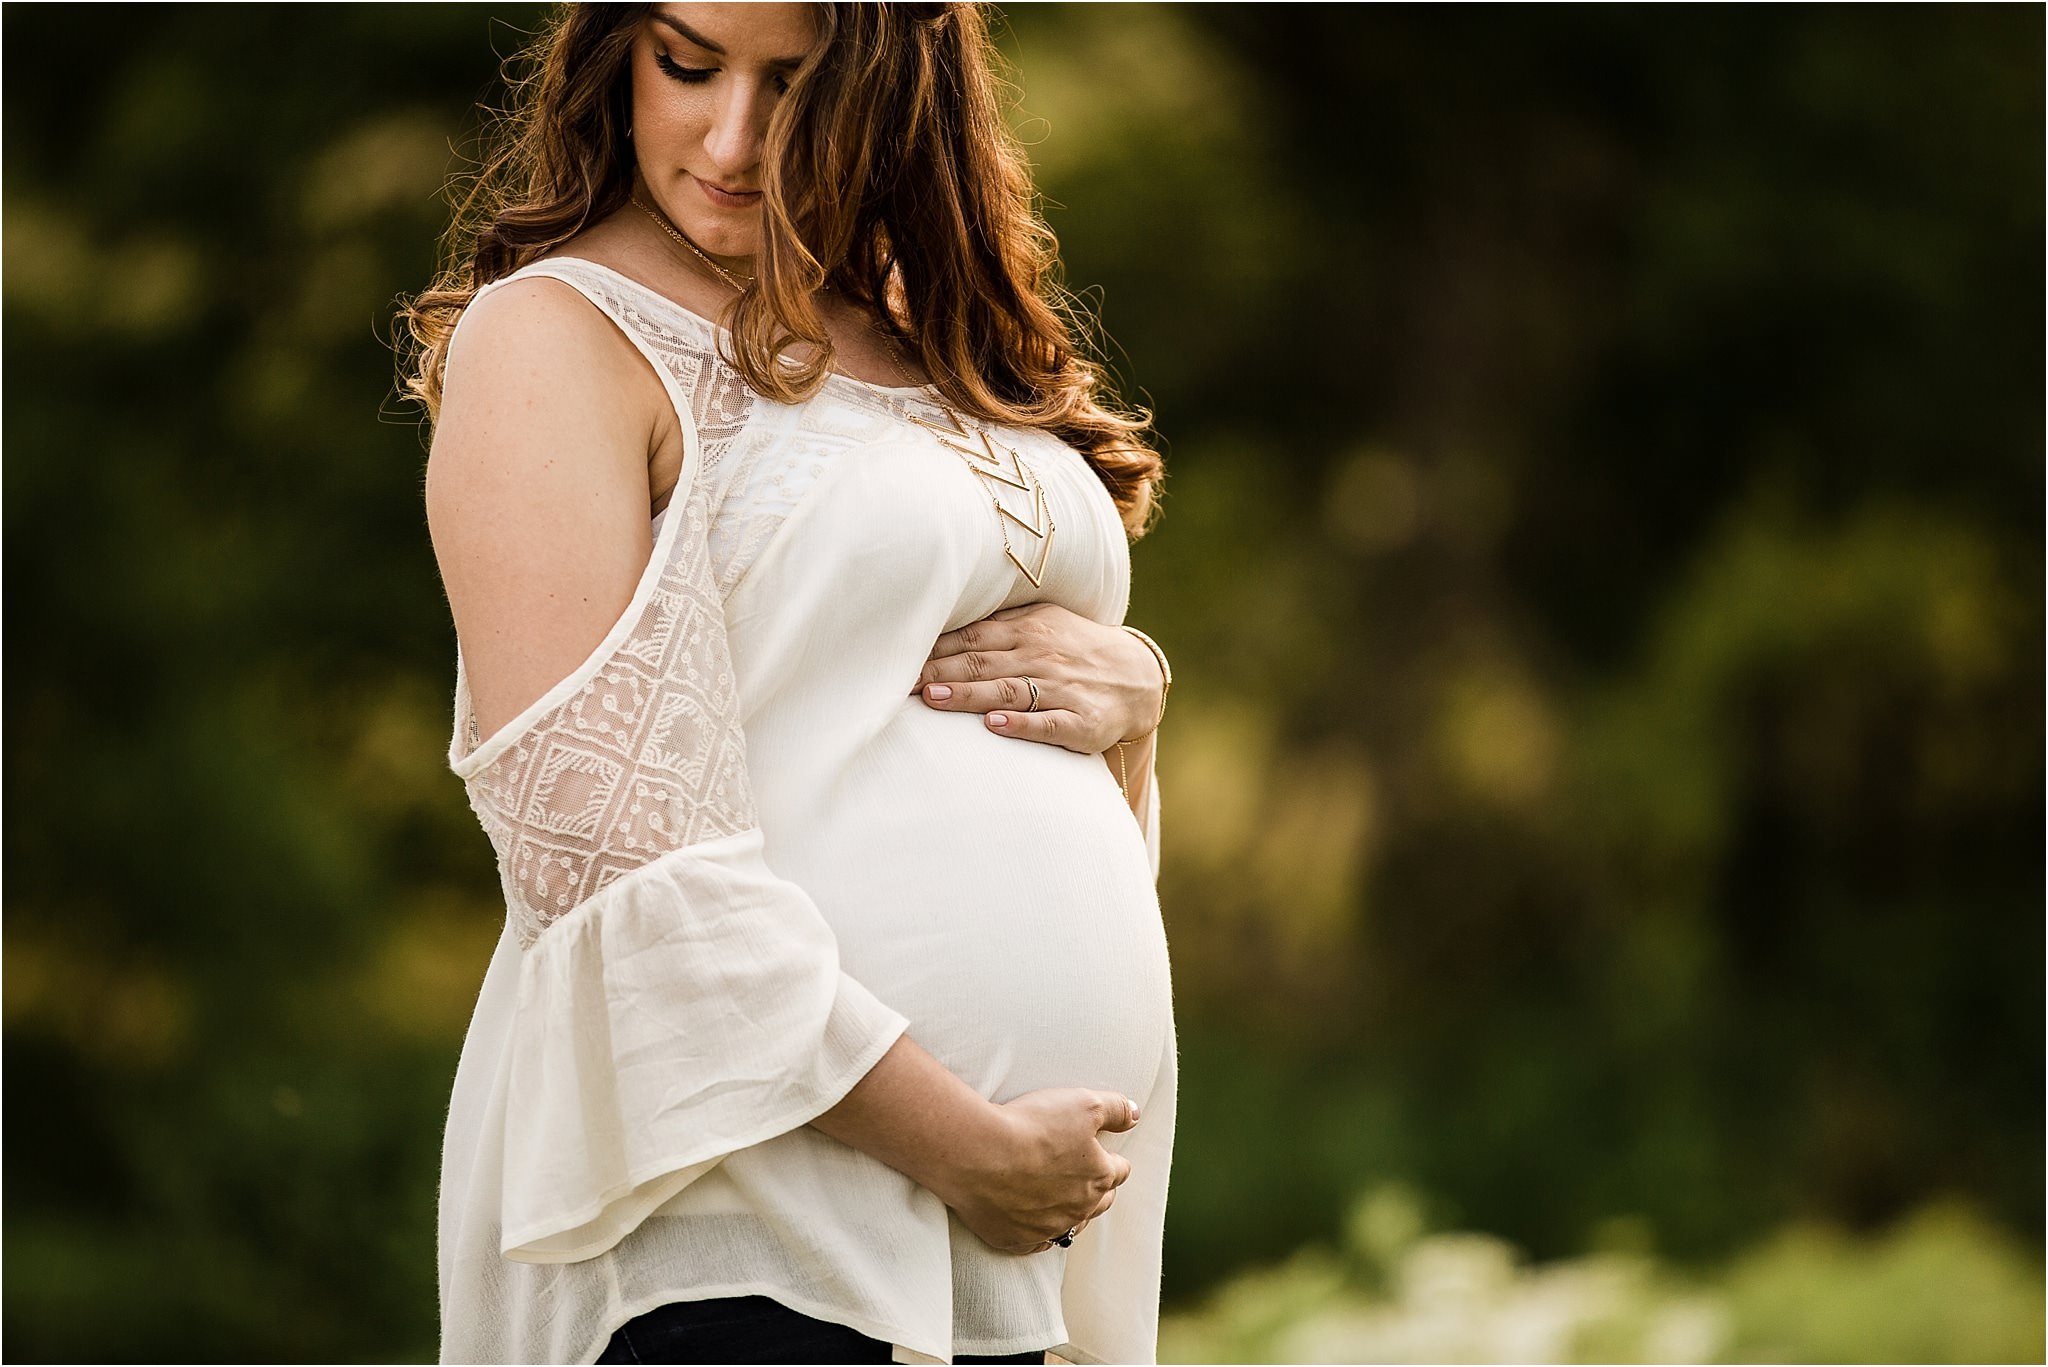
{"points": [[996, 892]]}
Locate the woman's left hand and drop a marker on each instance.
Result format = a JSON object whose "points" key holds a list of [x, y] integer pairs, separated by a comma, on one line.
{"points": [[1097, 685]]}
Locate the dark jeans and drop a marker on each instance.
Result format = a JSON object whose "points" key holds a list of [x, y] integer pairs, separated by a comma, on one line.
{"points": [[750, 1329]]}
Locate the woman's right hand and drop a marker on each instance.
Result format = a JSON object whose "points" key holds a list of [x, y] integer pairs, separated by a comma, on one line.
{"points": [[1019, 1174], [1044, 1170]]}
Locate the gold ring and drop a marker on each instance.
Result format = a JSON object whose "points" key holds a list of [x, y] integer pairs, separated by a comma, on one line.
{"points": [[1033, 686]]}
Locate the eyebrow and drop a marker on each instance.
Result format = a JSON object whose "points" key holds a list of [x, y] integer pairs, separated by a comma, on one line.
{"points": [[779, 63]]}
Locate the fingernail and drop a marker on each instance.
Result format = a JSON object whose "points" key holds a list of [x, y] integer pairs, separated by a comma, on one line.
{"points": [[938, 692], [1134, 1110], [998, 719]]}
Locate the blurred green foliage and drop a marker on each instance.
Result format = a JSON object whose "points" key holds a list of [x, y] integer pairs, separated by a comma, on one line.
{"points": [[1940, 1286], [1602, 564]]}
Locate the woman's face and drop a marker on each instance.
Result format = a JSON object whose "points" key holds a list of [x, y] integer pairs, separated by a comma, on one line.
{"points": [[706, 78]]}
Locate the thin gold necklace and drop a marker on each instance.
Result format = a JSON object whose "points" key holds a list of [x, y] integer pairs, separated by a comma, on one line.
{"points": [[738, 282], [991, 467]]}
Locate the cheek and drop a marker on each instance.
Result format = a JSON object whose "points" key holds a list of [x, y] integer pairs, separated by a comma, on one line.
{"points": [[667, 121]]}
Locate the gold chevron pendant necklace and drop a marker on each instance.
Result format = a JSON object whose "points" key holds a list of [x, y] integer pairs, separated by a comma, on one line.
{"points": [[1013, 474], [957, 437]]}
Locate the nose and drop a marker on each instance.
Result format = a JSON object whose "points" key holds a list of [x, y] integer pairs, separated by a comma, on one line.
{"points": [[739, 129]]}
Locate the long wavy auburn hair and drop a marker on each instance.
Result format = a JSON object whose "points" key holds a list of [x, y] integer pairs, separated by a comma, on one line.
{"points": [[889, 173]]}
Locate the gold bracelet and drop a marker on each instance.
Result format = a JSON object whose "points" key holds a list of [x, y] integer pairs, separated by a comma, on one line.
{"points": [[1123, 773], [1165, 671]]}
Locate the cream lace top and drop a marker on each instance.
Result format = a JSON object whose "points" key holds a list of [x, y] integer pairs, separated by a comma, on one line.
{"points": [[739, 858]]}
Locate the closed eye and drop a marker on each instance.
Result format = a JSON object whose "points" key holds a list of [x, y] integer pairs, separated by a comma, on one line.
{"points": [[697, 75], [688, 75]]}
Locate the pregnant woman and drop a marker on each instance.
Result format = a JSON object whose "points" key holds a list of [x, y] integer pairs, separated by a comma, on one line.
{"points": [[785, 532]]}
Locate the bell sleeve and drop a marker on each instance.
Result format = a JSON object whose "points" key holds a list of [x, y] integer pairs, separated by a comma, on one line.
{"points": [[677, 1000]]}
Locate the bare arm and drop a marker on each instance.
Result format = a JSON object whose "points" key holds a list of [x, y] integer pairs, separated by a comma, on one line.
{"points": [[1017, 1174], [537, 489]]}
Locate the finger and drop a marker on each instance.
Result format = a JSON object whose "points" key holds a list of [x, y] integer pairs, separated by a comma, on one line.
{"points": [[1120, 1167], [1102, 1206], [1055, 726], [1119, 1112], [974, 666], [987, 634], [1005, 694]]}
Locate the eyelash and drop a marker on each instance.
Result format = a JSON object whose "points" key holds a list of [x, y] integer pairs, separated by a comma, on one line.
{"points": [[688, 74], [695, 75]]}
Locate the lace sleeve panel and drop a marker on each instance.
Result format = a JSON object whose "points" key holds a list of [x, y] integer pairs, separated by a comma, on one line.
{"points": [[644, 757]]}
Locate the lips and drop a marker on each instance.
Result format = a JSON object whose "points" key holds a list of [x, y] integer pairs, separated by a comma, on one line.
{"points": [[727, 198]]}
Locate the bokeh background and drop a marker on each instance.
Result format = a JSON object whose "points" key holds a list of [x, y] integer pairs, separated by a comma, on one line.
{"points": [[1602, 562]]}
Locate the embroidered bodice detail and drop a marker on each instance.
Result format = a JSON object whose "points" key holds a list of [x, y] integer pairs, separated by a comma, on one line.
{"points": [[761, 458]]}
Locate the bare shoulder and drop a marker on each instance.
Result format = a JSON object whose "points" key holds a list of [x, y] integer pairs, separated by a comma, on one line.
{"points": [[539, 342]]}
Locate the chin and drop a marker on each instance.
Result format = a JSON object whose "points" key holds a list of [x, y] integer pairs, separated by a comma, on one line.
{"points": [[728, 243], [721, 235]]}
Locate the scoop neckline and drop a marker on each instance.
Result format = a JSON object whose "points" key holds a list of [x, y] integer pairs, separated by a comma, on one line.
{"points": [[919, 390]]}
